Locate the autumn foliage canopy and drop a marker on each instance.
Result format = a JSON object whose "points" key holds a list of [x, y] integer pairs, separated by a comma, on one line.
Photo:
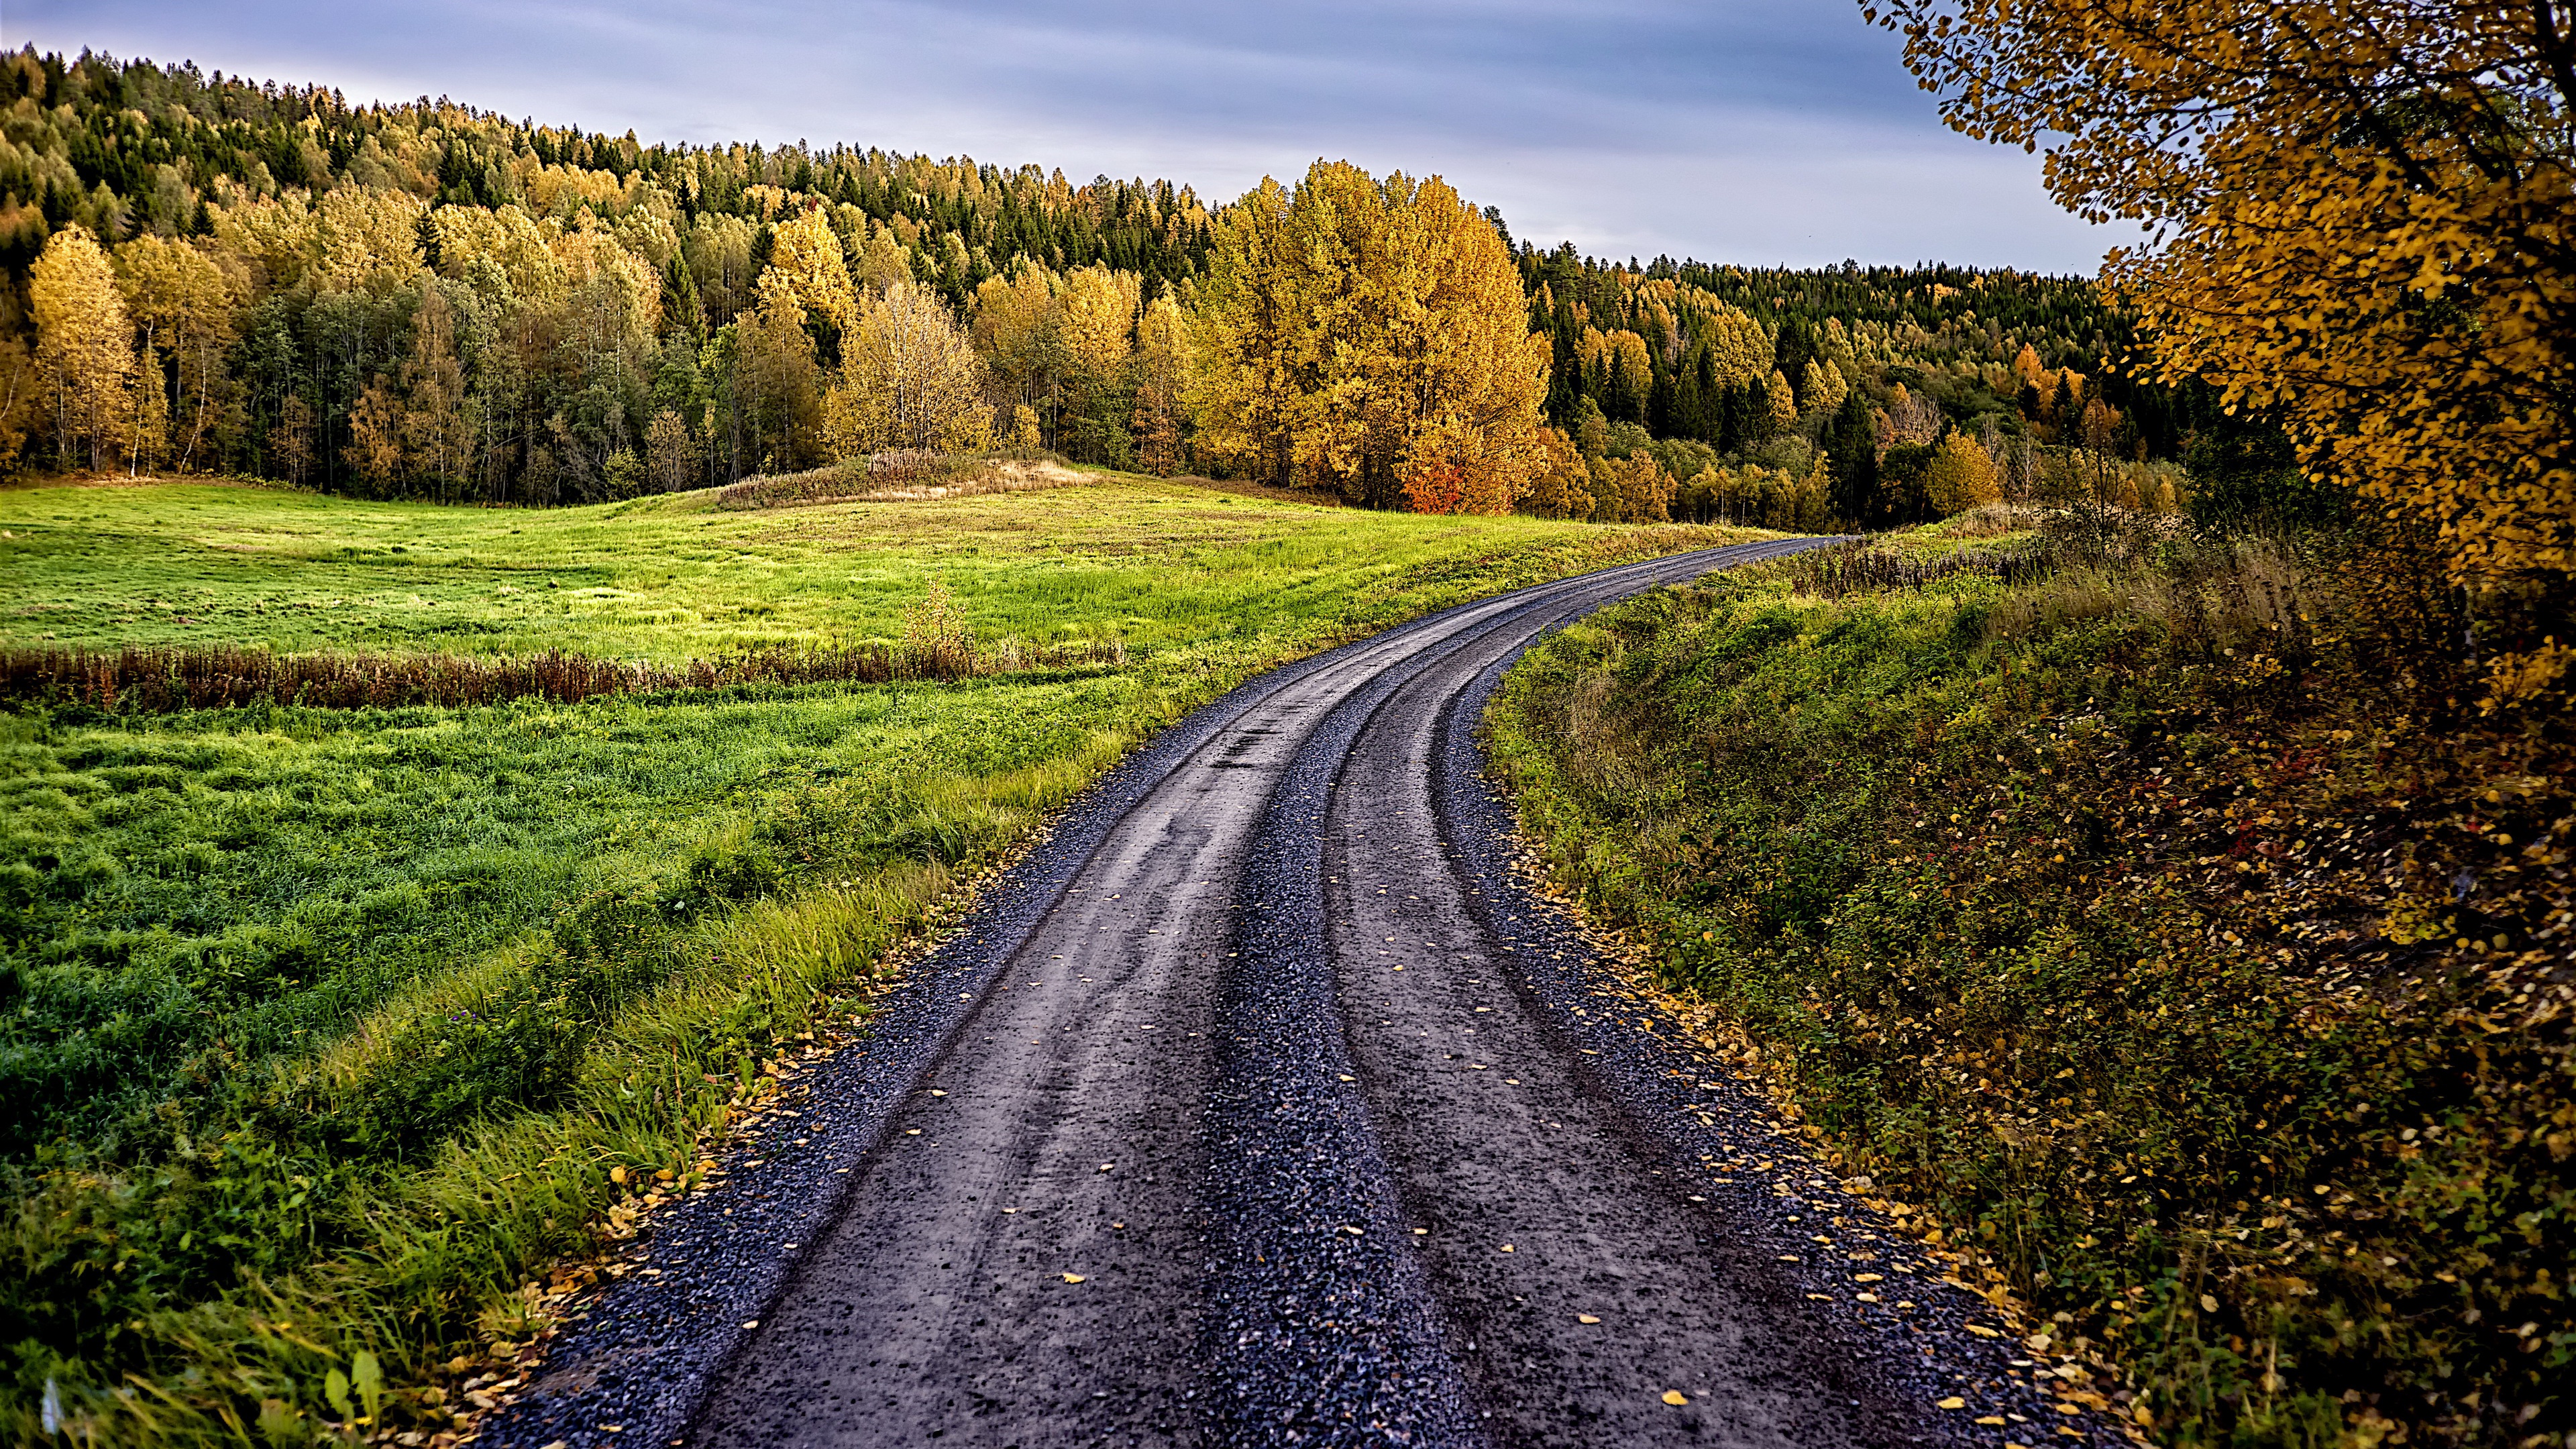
{"points": [[2363, 224], [1369, 336]]}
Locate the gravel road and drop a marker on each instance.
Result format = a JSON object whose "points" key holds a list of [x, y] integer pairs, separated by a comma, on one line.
{"points": [[1259, 1105]]}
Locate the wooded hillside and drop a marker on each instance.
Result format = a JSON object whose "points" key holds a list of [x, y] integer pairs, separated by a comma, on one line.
{"points": [[432, 301]]}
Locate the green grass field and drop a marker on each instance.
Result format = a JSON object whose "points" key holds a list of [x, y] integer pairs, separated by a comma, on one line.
{"points": [[1160, 565], [324, 1029]]}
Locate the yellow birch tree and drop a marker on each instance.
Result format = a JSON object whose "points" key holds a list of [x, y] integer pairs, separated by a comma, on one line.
{"points": [[1354, 334], [911, 380], [84, 347]]}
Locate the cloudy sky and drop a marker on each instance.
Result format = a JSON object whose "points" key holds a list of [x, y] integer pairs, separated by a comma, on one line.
{"points": [[1757, 131]]}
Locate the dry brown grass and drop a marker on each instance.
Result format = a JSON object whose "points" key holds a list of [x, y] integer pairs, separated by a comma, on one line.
{"points": [[156, 681]]}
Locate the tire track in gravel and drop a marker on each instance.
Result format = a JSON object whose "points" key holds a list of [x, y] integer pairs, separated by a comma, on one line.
{"points": [[1139, 1156]]}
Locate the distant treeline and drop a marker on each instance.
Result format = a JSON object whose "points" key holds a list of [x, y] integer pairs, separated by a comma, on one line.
{"points": [[202, 273]]}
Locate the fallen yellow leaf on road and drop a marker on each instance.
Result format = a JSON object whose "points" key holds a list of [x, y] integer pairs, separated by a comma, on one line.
{"points": [[1073, 1277], [1674, 1398], [1586, 1318], [1952, 1402], [1981, 1331]]}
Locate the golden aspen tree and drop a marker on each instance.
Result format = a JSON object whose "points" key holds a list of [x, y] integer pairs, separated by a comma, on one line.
{"points": [[1811, 502], [669, 452], [1355, 333], [611, 306], [1024, 427], [806, 272], [1095, 316], [1822, 389], [1014, 330], [1961, 476], [375, 450], [2026, 366], [1780, 402], [1628, 373], [271, 238], [176, 298], [649, 235], [1162, 368], [879, 264], [364, 238], [84, 347], [504, 252], [2359, 216], [19, 397], [1094, 323], [718, 250], [1737, 344], [437, 429], [777, 388], [1560, 486], [147, 426], [910, 380]]}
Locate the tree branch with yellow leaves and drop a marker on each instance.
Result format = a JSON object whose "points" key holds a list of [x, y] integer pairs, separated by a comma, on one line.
{"points": [[2360, 222]]}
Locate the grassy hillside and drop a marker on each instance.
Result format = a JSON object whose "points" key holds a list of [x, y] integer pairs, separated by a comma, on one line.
{"points": [[2168, 930], [323, 1028]]}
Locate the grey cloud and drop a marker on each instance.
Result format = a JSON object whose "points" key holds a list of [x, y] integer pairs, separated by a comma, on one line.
{"points": [[1761, 133]]}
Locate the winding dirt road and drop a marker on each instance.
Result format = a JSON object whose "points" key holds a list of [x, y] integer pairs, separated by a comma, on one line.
{"points": [[1259, 1106]]}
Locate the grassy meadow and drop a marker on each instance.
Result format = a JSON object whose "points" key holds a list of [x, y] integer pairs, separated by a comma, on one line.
{"points": [[1161, 566], [325, 1029]]}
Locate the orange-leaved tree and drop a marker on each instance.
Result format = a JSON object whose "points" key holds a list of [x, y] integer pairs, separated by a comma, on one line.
{"points": [[2362, 221], [1363, 335]]}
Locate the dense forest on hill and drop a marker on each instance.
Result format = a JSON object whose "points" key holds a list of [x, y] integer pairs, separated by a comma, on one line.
{"points": [[429, 300]]}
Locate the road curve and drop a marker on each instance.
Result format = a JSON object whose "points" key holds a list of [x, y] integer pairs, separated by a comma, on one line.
{"points": [[1259, 1106]]}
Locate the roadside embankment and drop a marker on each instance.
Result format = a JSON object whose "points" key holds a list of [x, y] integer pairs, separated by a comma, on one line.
{"points": [[2166, 922]]}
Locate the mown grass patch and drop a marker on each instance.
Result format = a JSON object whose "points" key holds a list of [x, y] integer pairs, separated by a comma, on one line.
{"points": [[330, 1027], [2163, 925]]}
